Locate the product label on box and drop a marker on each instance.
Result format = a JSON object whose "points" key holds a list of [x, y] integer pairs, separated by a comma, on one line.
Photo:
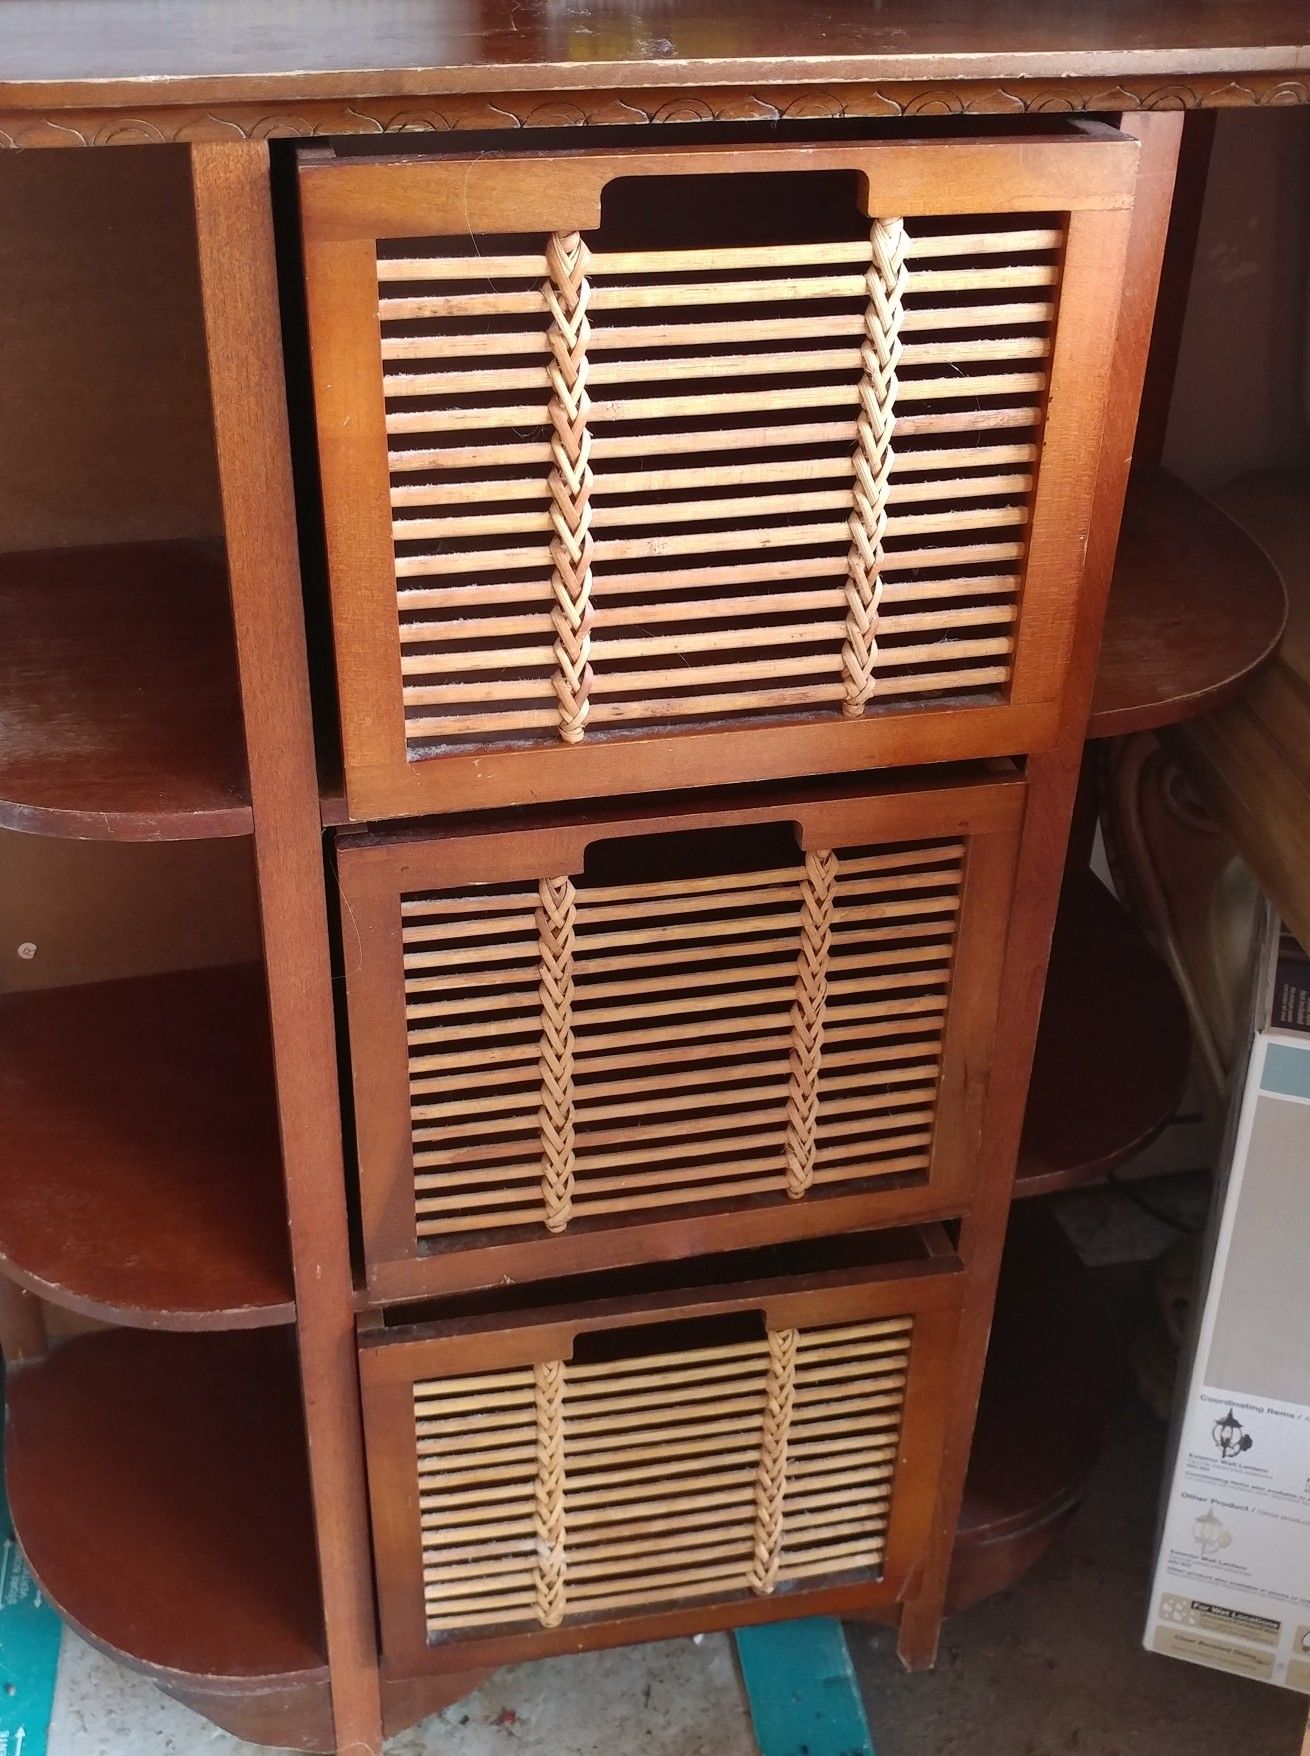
{"points": [[1232, 1585], [1232, 1577]]}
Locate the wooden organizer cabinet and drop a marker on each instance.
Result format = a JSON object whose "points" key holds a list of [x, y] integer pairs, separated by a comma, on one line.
{"points": [[853, 533], [595, 1040], [738, 464], [690, 467]]}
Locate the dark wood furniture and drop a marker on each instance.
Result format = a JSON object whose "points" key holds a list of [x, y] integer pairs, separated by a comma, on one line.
{"points": [[265, 1667]]}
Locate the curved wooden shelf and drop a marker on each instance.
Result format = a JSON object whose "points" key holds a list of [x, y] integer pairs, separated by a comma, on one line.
{"points": [[1053, 1377], [1112, 1048], [141, 1179], [119, 713], [1196, 607], [159, 1487]]}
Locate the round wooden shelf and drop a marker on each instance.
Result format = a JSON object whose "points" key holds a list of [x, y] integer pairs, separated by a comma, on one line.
{"points": [[1053, 1377], [119, 713], [1196, 607], [1112, 1048], [159, 1487], [141, 1179]]}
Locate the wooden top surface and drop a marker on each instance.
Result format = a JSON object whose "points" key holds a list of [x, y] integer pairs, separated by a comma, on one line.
{"points": [[73, 52]]}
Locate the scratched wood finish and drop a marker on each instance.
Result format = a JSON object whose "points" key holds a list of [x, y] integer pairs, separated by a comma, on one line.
{"points": [[1053, 780], [231, 189], [141, 1524], [121, 717], [78, 71], [685, 489]]}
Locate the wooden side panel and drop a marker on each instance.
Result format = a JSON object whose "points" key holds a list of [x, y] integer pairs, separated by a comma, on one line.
{"points": [[1053, 779], [239, 288]]}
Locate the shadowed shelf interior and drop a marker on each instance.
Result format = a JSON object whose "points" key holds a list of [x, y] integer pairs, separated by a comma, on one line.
{"points": [[1112, 1050], [1196, 608], [141, 1178], [119, 715], [1053, 1375]]}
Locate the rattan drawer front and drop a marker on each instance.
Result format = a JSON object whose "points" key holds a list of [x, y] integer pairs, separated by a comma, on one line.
{"points": [[669, 468], [566, 1476], [602, 1033]]}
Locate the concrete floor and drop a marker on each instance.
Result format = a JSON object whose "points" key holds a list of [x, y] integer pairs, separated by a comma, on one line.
{"points": [[1056, 1666], [1053, 1668], [682, 1698]]}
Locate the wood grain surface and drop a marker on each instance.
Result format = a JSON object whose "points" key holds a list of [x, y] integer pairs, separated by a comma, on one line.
{"points": [[119, 715], [158, 1484], [103, 50], [234, 225], [141, 1180], [1196, 609], [1112, 1048]]}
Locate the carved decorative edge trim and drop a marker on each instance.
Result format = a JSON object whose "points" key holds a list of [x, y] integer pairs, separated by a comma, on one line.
{"points": [[250, 121]]}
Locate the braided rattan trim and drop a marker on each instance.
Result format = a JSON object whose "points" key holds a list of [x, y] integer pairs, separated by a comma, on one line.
{"points": [[567, 294], [880, 353], [548, 1391], [556, 915], [771, 1478], [818, 889]]}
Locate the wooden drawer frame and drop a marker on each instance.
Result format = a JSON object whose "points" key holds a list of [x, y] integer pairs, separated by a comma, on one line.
{"points": [[983, 811], [350, 205], [926, 1288]]}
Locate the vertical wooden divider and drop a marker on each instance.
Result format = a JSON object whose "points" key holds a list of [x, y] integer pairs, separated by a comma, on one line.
{"points": [[234, 226], [1053, 783]]}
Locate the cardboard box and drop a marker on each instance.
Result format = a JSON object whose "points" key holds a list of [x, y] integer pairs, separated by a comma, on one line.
{"points": [[1232, 1576]]}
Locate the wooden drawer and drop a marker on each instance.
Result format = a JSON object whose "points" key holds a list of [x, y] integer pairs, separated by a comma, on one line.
{"points": [[728, 1448], [636, 477], [589, 1041]]}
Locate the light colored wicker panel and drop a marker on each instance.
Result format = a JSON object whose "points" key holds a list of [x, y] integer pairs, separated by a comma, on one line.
{"points": [[565, 1490], [608, 1049], [648, 488]]}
